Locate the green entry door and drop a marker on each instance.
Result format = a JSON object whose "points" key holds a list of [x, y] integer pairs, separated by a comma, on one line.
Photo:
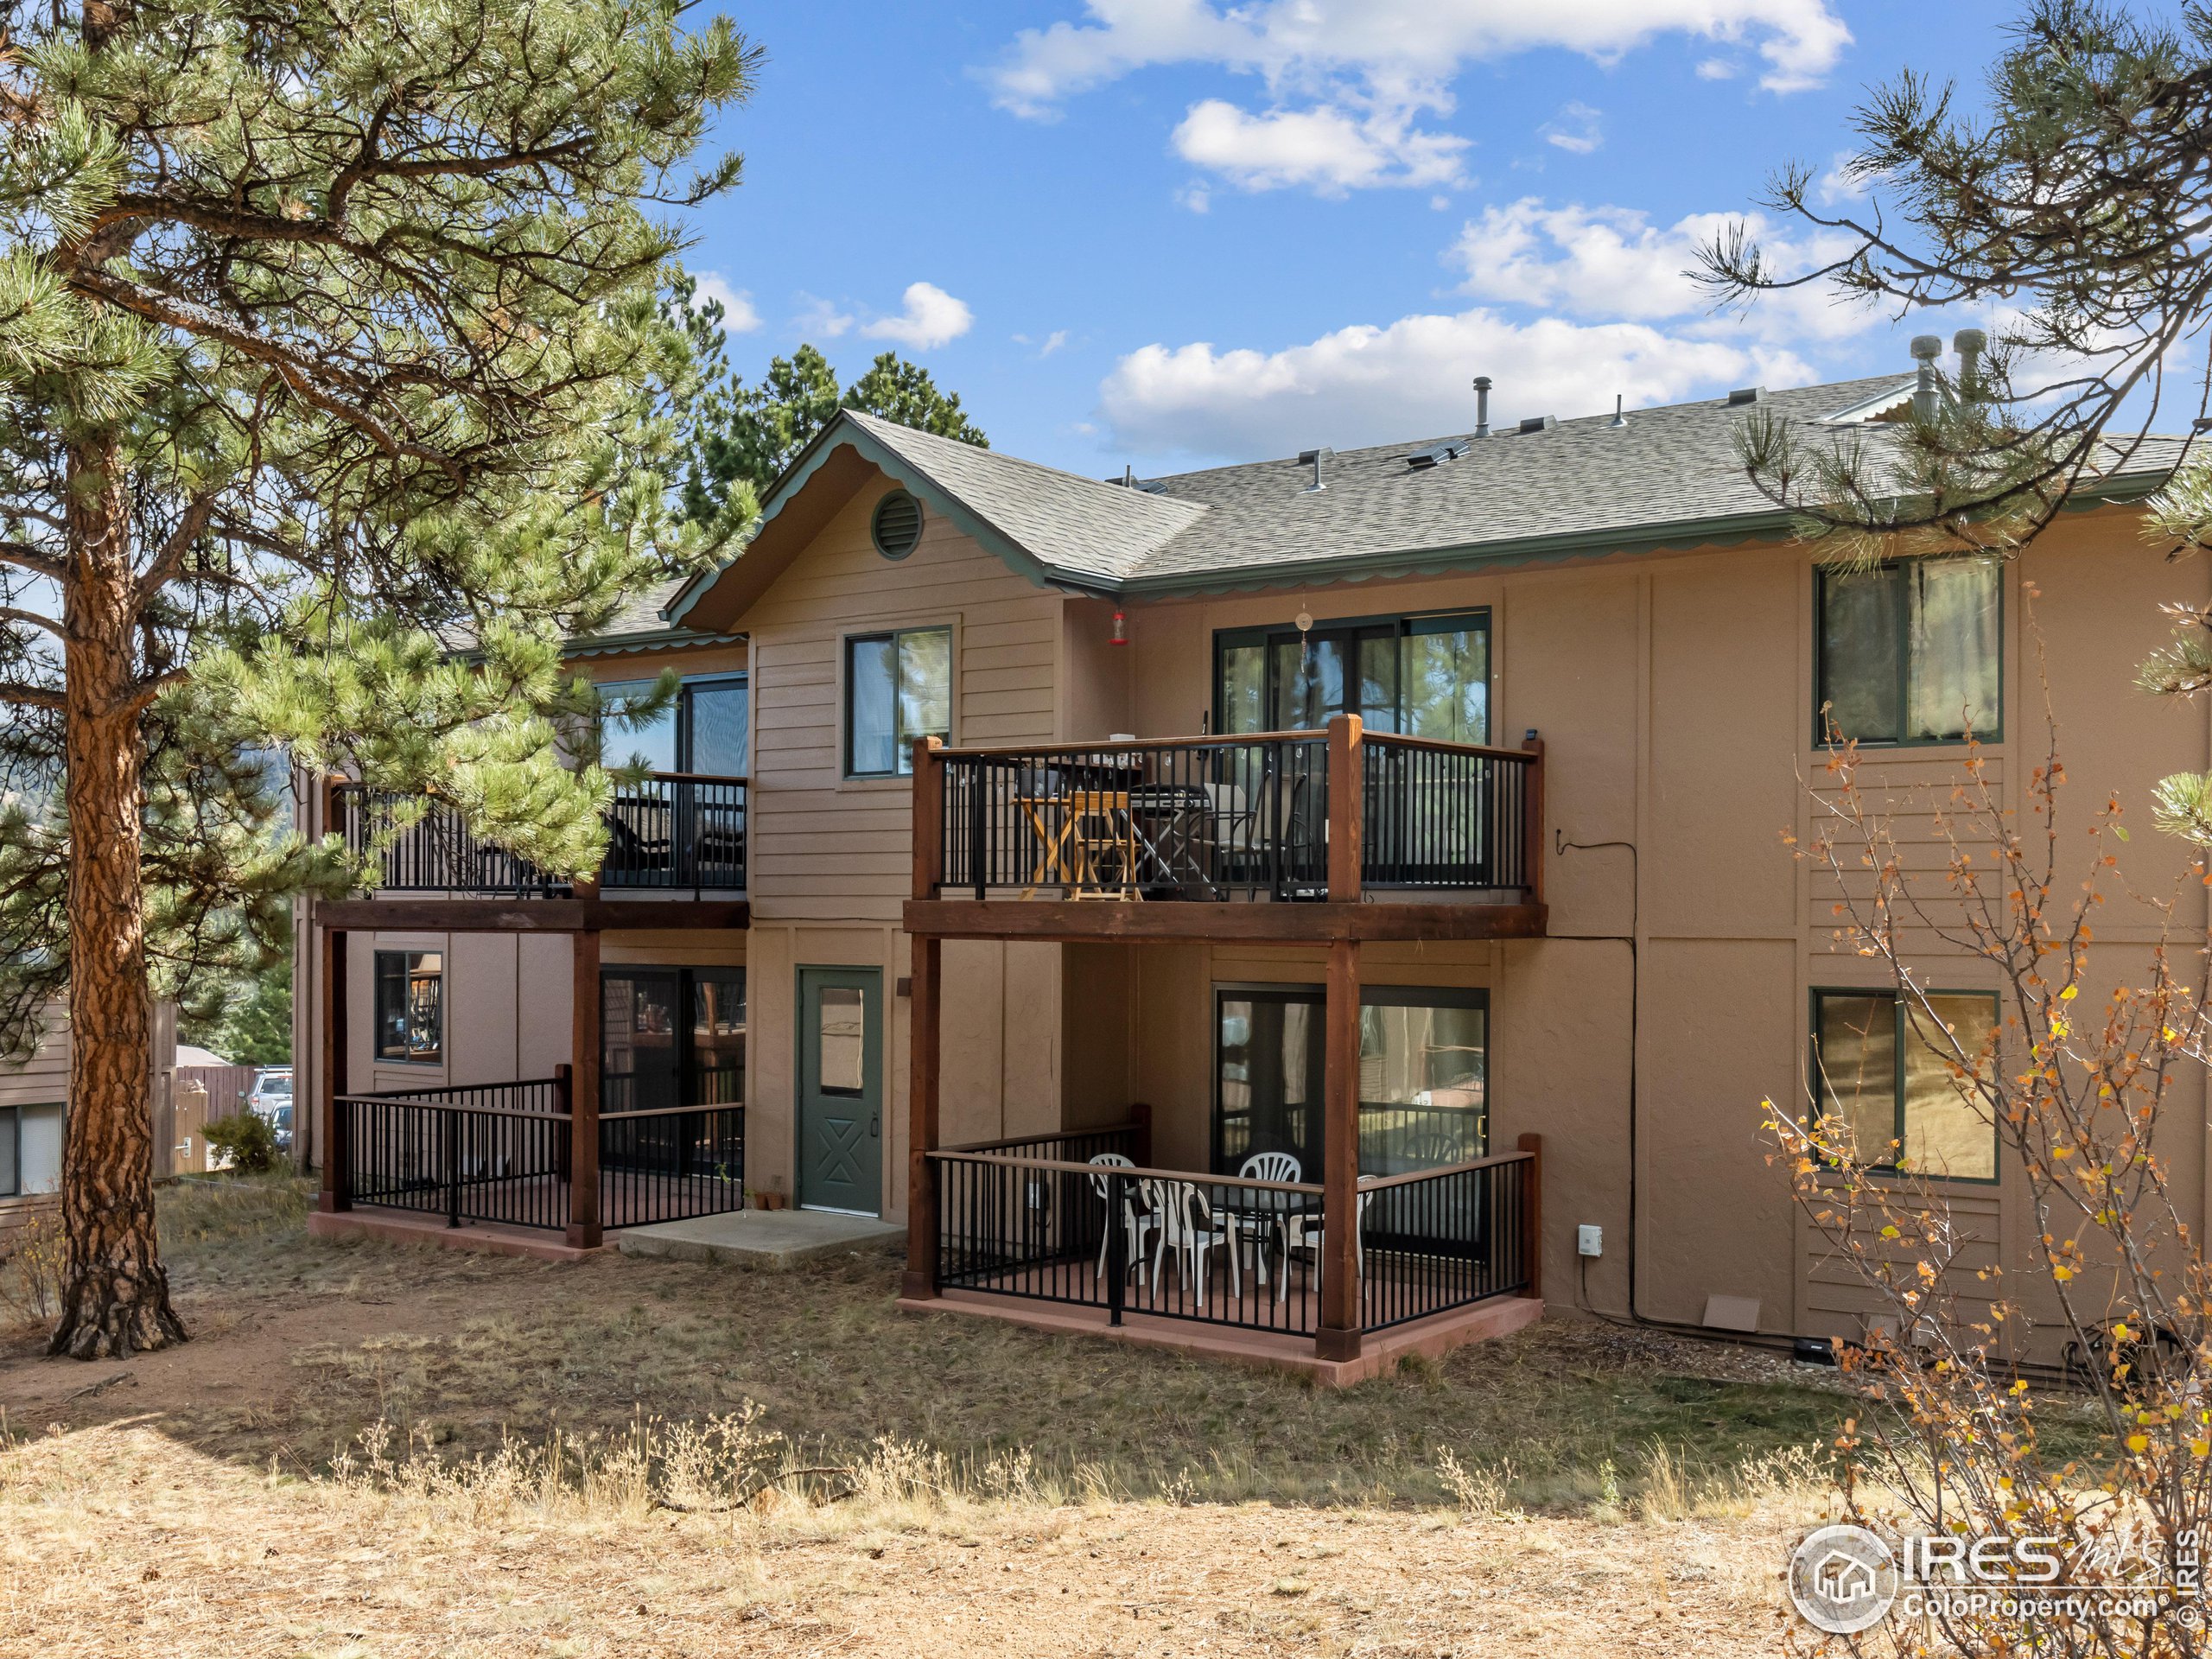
{"points": [[841, 1089]]}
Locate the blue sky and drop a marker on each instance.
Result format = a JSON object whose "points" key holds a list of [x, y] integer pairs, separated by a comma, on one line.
{"points": [[1174, 232]]}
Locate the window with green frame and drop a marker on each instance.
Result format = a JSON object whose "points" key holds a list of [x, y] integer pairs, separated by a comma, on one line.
{"points": [[1910, 651], [897, 687], [1884, 1073], [1423, 675]]}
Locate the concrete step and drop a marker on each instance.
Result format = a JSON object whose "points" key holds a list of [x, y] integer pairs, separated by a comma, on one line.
{"points": [[758, 1238]]}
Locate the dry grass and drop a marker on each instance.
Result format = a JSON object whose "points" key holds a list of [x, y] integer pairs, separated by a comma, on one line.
{"points": [[370, 1449]]}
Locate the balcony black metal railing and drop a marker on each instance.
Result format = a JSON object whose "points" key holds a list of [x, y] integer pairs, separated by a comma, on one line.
{"points": [[499, 1153], [1442, 814], [672, 831], [1437, 1239], [1219, 818], [1224, 1249], [1037, 1228], [494, 1153], [671, 1163]]}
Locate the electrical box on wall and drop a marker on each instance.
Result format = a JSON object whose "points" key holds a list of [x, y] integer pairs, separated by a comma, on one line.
{"points": [[1589, 1241]]}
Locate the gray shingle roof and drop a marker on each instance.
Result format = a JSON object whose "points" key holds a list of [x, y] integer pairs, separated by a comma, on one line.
{"points": [[1667, 477], [1074, 524], [1579, 481]]}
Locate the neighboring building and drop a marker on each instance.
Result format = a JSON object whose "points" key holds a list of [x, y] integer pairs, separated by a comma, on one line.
{"points": [[1576, 669], [34, 1108]]}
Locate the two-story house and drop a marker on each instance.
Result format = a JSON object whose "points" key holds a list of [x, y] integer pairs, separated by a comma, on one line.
{"points": [[1311, 909]]}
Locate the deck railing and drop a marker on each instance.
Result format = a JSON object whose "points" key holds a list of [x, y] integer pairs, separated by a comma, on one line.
{"points": [[671, 831], [1225, 1249], [1201, 819], [495, 1152], [1182, 1246], [1439, 1239], [502, 1152], [1221, 818]]}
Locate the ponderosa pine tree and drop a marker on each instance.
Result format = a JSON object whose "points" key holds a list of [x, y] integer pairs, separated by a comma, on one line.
{"points": [[328, 337], [740, 438]]}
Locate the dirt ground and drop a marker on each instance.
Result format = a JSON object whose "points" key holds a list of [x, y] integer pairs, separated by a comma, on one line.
{"points": [[1575, 1486]]}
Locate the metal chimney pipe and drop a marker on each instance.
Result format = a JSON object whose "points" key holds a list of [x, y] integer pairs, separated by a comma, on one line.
{"points": [[1970, 344], [1926, 348], [1482, 405]]}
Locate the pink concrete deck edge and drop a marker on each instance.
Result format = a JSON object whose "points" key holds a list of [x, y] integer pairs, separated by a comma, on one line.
{"points": [[410, 1229], [1380, 1351]]}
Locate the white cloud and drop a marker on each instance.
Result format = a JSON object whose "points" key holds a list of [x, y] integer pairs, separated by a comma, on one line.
{"points": [[1328, 150], [1613, 262], [1196, 197], [1367, 384], [739, 316], [932, 318], [1715, 69], [1575, 129], [1053, 342], [1396, 49], [820, 318], [1349, 82]]}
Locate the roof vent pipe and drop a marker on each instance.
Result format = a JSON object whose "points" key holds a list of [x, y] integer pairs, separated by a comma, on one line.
{"points": [[1926, 348], [1482, 405], [1970, 344], [1619, 419], [1313, 457]]}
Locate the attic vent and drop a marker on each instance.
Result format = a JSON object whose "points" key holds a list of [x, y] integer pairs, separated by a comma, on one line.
{"points": [[1743, 395], [1539, 423], [1437, 454], [897, 526]]}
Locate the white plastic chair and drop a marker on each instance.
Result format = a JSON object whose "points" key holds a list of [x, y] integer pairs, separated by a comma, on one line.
{"points": [[1270, 1166], [1189, 1229], [1311, 1233], [1135, 1220]]}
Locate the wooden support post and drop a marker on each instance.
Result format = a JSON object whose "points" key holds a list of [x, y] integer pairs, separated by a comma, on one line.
{"points": [[583, 1095], [330, 1065], [1532, 1215], [1339, 1337], [1347, 807], [1140, 1116], [929, 817], [927, 971], [1532, 818]]}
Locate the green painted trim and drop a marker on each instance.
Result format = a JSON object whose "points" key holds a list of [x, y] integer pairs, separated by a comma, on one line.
{"points": [[623, 645]]}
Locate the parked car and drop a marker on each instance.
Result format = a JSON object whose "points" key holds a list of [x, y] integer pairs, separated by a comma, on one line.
{"points": [[272, 1098]]}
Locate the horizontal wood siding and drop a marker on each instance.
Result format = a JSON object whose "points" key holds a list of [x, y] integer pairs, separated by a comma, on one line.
{"points": [[829, 848]]}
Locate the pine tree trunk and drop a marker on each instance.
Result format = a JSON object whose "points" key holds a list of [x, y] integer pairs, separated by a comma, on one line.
{"points": [[117, 1298]]}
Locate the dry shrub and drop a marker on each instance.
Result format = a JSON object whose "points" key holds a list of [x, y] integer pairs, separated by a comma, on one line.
{"points": [[30, 1272], [727, 1464]]}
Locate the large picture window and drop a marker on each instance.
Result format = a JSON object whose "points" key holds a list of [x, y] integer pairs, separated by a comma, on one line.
{"points": [[1422, 675], [1423, 1077], [704, 731], [897, 687], [410, 1005], [1911, 652], [1881, 1072]]}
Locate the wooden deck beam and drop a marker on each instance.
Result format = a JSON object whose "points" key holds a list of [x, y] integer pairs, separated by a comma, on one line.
{"points": [[1300, 923], [527, 915]]}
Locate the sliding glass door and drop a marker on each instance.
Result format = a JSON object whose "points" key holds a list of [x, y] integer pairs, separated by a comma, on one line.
{"points": [[1423, 675], [1423, 1077]]}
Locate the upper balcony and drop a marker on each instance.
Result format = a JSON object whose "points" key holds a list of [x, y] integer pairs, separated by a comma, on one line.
{"points": [[1311, 835], [673, 834]]}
